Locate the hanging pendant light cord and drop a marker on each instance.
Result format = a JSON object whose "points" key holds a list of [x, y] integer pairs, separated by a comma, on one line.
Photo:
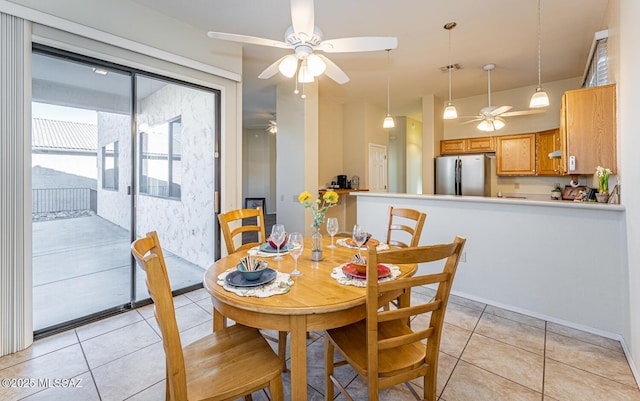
{"points": [[489, 86], [539, 41], [449, 66], [388, 83]]}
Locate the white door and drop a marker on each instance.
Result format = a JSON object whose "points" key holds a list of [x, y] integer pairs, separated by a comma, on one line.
{"points": [[377, 168]]}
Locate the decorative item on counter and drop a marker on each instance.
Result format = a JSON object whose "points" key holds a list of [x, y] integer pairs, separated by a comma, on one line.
{"points": [[556, 193], [355, 182], [319, 209], [603, 184]]}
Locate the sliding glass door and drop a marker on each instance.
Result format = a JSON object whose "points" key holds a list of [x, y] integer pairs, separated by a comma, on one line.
{"points": [[175, 172], [81, 175], [115, 153]]}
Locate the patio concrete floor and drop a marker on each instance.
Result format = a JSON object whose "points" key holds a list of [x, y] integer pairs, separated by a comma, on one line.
{"points": [[83, 265]]}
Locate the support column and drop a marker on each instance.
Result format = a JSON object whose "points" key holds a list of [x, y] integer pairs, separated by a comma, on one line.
{"points": [[296, 154]]}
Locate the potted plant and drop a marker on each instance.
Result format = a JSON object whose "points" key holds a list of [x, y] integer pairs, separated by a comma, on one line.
{"points": [[603, 184], [556, 193]]}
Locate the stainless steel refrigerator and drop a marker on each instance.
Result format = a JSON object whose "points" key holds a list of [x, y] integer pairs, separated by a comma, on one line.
{"points": [[463, 175]]}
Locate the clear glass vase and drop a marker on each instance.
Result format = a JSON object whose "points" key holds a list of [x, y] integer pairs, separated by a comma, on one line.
{"points": [[316, 246]]}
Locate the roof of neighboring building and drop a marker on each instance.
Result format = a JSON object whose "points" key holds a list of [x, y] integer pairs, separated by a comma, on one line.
{"points": [[63, 135]]}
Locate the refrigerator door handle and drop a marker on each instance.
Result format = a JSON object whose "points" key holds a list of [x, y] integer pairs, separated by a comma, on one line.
{"points": [[458, 175]]}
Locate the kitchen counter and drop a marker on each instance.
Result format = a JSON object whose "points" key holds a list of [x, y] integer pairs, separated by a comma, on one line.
{"points": [[342, 191], [562, 261], [501, 201]]}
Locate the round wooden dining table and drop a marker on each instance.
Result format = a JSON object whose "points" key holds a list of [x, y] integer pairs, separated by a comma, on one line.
{"points": [[316, 301]]}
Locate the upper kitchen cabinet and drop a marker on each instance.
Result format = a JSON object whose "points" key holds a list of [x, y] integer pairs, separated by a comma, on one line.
{"points": [[467, 145], [588, 129], [547, 142], [516, 154]]}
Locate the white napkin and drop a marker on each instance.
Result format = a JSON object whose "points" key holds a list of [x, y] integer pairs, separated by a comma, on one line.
{"points": [[343, 242], [255, 251]]}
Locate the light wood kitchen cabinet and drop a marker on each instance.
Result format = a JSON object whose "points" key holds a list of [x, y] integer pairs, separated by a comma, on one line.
{"points": [[452, 146], [467, 145], [516, 154], [547, 142], [588, 129]]}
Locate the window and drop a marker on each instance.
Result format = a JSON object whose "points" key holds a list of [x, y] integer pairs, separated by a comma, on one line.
{"points": [[160, 155], [597, 72], [110, 166]]}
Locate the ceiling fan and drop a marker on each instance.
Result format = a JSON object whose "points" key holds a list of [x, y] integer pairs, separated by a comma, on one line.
{"points": [[492, 117], [272, 128], [305, 38]]}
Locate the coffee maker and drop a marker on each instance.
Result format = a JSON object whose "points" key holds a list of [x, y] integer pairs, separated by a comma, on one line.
{"points": [[342, 181]]}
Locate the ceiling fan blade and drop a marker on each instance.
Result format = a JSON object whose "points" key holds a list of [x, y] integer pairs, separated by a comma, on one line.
{"points": [[302, 18], [359, 44], [272, 69], [248, 39], [333, 71], [502, 109], [523, 112], [476, 119]]}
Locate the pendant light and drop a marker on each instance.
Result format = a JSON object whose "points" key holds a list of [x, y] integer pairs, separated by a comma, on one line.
{"points": [[388, 121], [539, 98], [450, 111]]}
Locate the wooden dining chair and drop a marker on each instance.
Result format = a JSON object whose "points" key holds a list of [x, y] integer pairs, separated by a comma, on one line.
{"points": [[382, 348], [224, 365], [231, 226], [227, 220], [399, 227]]}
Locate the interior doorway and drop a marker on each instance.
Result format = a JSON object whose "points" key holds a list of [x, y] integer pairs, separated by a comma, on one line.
{"points": [[377, 168]]}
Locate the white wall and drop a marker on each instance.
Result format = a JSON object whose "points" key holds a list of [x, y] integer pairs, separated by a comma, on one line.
{"points": [[542, 260], [628, 34], [258, 166], [332, 150], [397, 156], [414, 156], [297, 155], [130, 20]]}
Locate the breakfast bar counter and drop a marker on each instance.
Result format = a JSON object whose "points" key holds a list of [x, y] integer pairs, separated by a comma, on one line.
{"points": [[557, 260]]}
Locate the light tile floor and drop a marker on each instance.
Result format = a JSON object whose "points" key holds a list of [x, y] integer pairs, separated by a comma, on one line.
{"points": [[487, 353]]}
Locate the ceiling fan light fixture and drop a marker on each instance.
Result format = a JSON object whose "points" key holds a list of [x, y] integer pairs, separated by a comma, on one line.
{"points": [[288, 66], [539, 99], [450, 112], [485, 126], [498, 123], [304, 75], [316, 65]]}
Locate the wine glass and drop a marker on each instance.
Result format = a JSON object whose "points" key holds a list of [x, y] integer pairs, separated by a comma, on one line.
{"points": [[332, 229], [296, 240], [359, 236], [277, 237]]}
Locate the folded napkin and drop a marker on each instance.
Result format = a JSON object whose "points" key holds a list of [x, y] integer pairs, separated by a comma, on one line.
{"points": [[343, 242], [280, 285], [255, 251], [338, 274]]}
